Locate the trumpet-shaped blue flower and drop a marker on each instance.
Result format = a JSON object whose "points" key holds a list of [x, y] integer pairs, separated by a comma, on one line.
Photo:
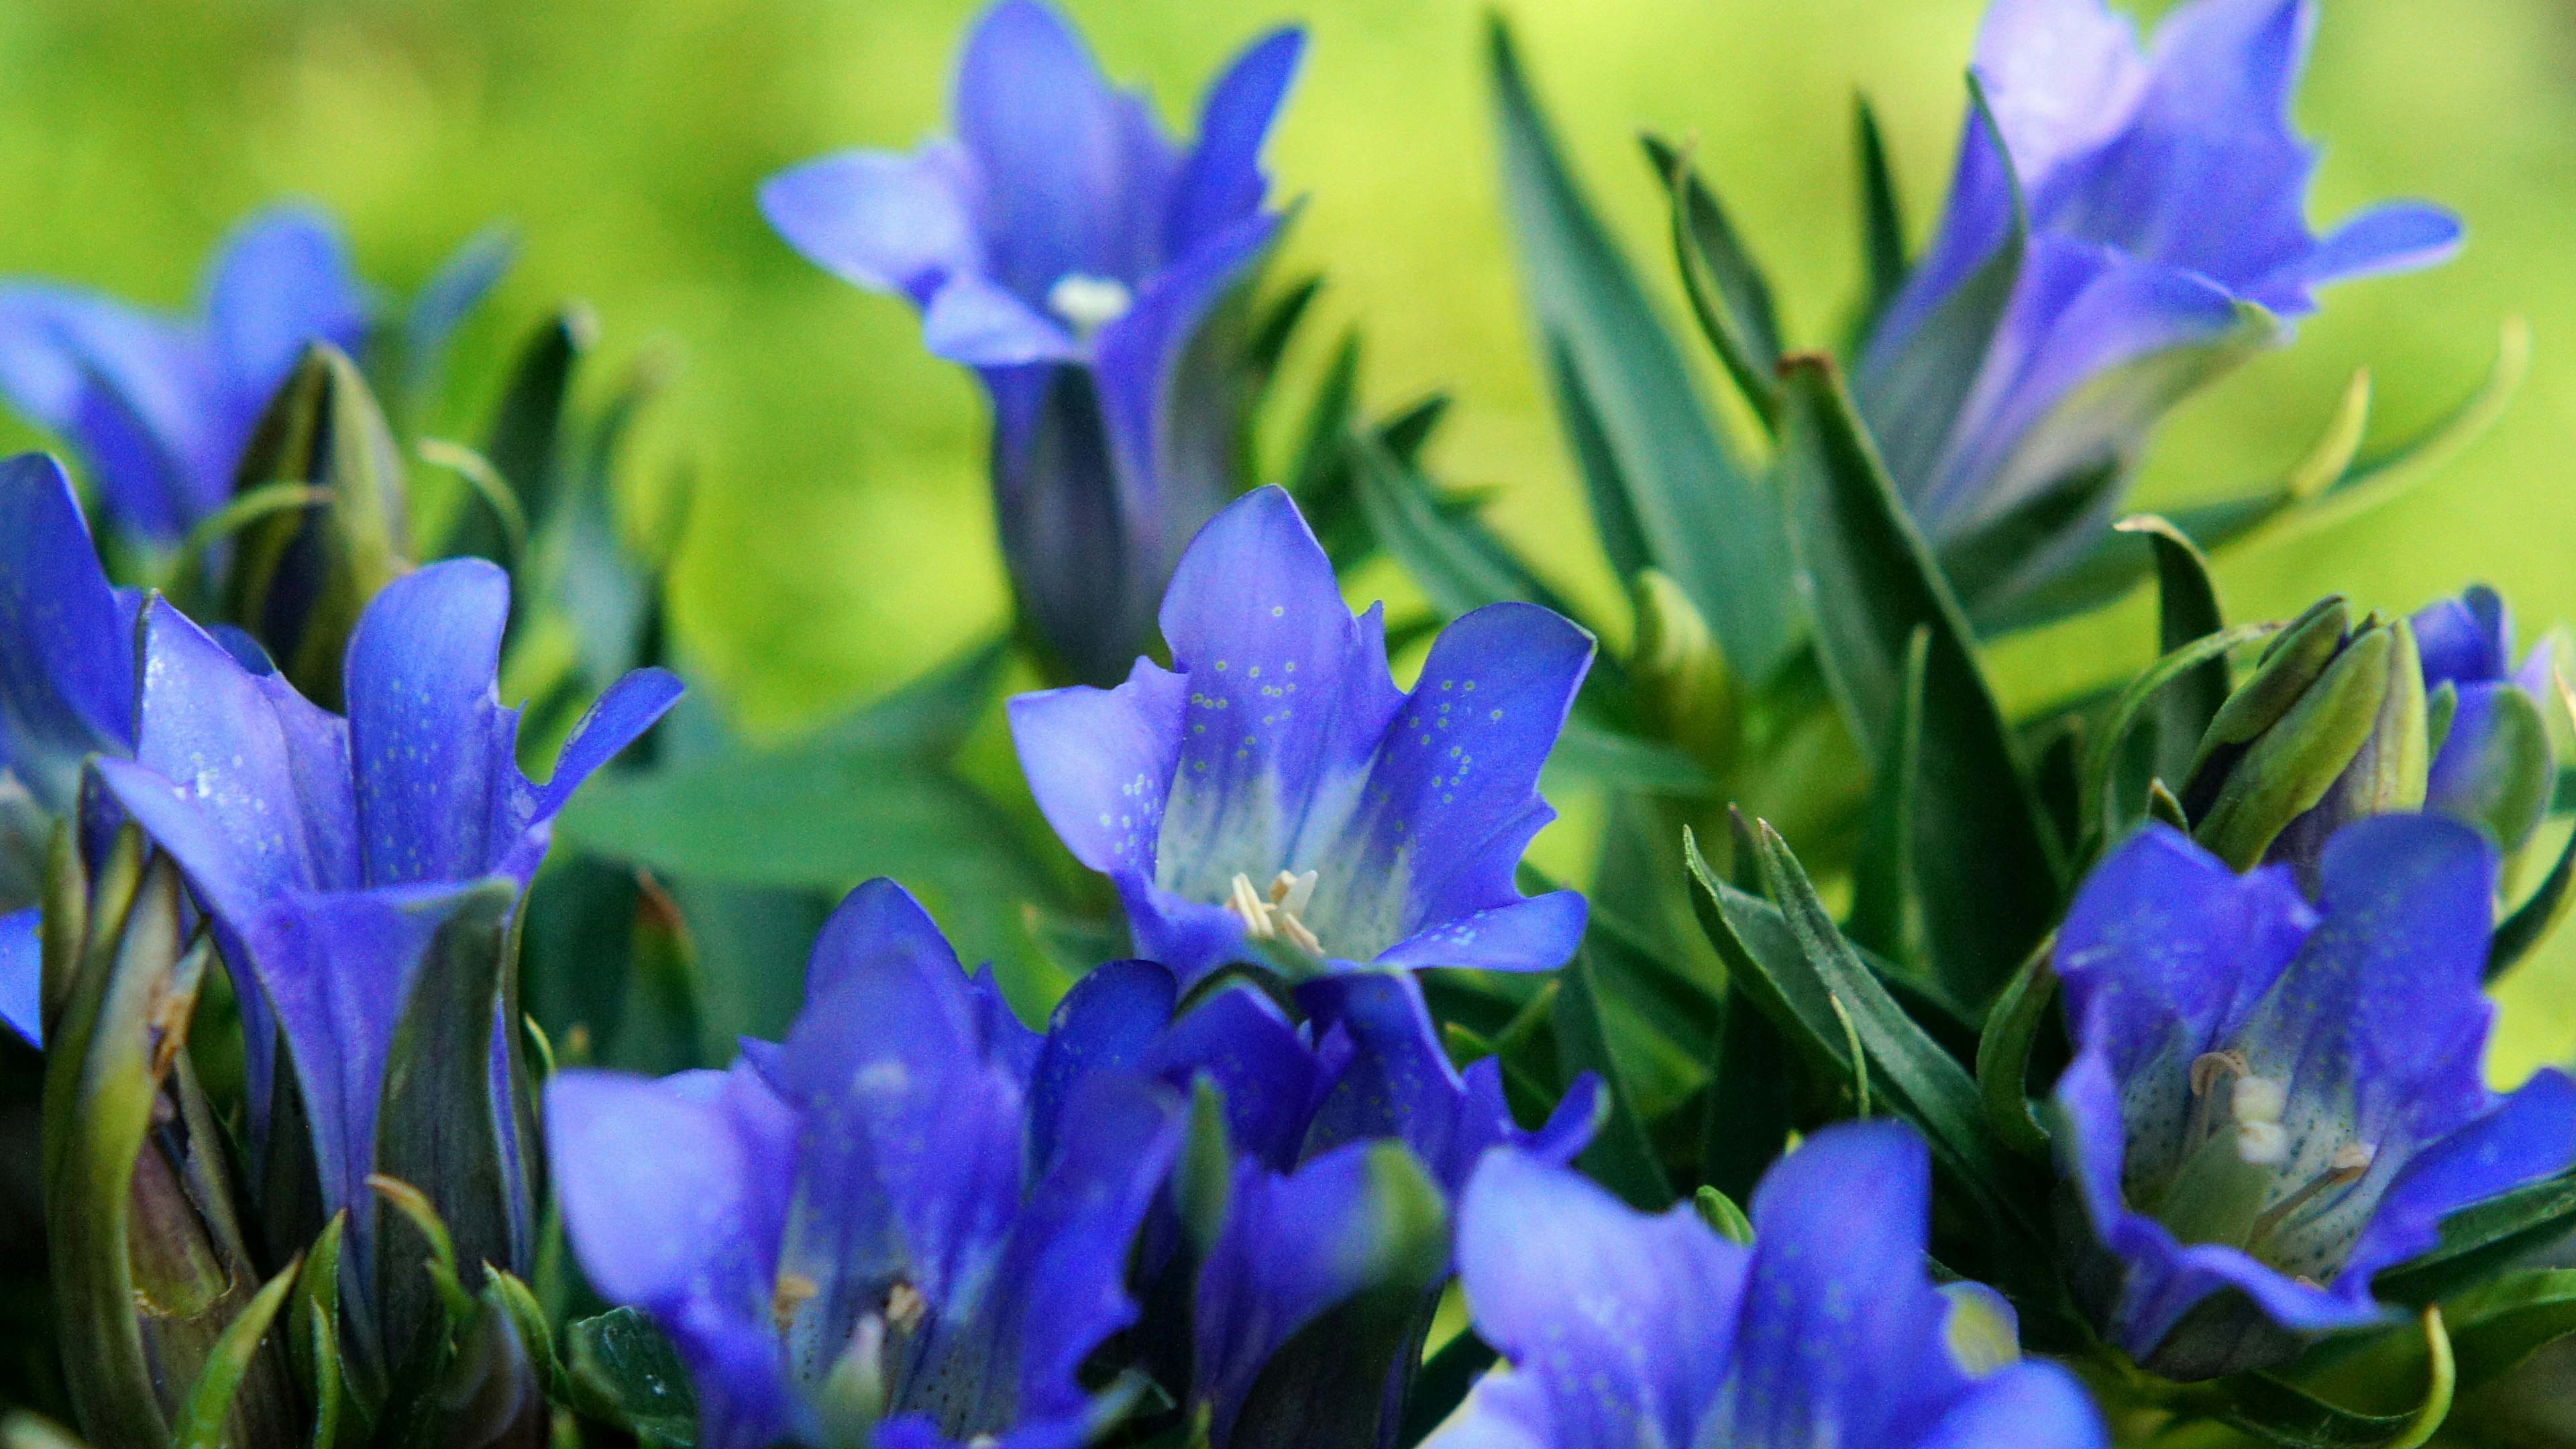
{"points": [[329, 850], [160, 406], [2165, 193], [881, 1223], [1623, 1330], [2269, 1104], [1274, 792], [2467, 643], [1063, 248]]}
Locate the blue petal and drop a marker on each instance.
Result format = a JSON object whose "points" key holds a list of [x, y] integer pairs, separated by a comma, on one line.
{"points": [[1239, 1039], [1100, 761], [2032, 1405], [438, 787], [2532, 1135], [972, 321], [22, 975], [66, 639], [1191, 937], [450, 295], [1843, 1338], [141, 395], [674, 1196], [282, 282], [1221, 182], [2464, 640], [630, 707], [1620, 1328], [2397, 236], [1537, 934], [892, 223], [1452, 799], [1289, 696], [1111, 1018], [1074, 172]]}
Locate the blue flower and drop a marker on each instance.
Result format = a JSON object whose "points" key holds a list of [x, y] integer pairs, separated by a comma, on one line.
{"points": [[2165, 194], [880, 1226], [161, 406], [329, 850], [2467, 643], [1274, 791], [1318, 1212], [2269, 1104], [1623, 1330], [1068, 253], [66, 692]]}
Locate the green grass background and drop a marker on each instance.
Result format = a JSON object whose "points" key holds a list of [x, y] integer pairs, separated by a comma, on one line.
{"points": [[842, 534]]}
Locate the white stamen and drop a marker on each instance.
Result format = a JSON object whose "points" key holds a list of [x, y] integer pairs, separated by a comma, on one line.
{"points": [[1247, 904], [1089, 303], [2210, 1068], [905, 1306], [792, 1292], [2258, 1099], [2353, 1159], [1275, 918], [1290, 893], [2265, 1144]]}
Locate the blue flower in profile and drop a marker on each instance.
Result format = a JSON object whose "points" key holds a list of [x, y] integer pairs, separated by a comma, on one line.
{"points": [[160, 406], [1624, 1330], [1274, 792], [66, 692], [329, 850], [879, 1232], [2165, 195], [2495, 736], [1064, 249], [2270, 1103]]}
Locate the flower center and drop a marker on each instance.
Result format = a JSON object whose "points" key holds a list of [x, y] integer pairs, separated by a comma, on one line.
{"points": [[1089, 303], [2231, 1188], [1275, 917]]}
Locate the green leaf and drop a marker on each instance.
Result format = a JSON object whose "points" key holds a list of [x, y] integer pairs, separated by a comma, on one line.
{"points": [[2502, 1323], [1722, 1215], [2187, 609], [1986, 867], [1621, 1156], [2280, 1414], [2003, 1052], [1887, 901], [525, 443], [1915, 394], [2101, 773], [2531, 922], [1882, 220], [1458, 562], [1748, 1121], [1661, 478], [1442, 1385], [1606, 756], [298, 580], [2477, 1242], [208, 1412], [1729, 297], [625, 1372], [1994, 558]]}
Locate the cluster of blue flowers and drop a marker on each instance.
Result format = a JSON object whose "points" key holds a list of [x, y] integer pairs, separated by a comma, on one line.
{"points": [[2134, 1104]]}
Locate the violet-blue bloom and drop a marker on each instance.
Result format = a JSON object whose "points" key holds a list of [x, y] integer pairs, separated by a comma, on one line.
{"points": [[1064, 249], [2165, 191], [160, 405], [1273, 791], [1623, 1330], [2270, 1103], [328, 850], [2467, 643], [880, 1220]]}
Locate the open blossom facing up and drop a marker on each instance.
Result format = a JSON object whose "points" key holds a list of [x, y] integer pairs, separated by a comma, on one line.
{"points": [[329, 850], [879, 1225], [2165, 191], [1622, 1330], [1273, 791], [2269, 1102], [1066, 250]]}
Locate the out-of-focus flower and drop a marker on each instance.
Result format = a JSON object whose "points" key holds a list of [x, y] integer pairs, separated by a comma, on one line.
{"points": [[329, 851], [876, 1233], [2165, 192], [2494, 765], [2271, 1103], [160, 406], [1273, 792], [1063, 248], [1622, 1329]]}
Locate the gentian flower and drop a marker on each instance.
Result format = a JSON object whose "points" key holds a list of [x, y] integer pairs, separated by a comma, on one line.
{"points": [[329, 850], [161, 406], [66, 692], [878, 1227], [2495, 761], [2165, 193], [1274, 791], [1063, 248], [1623, 1330], [2271, 1103]]}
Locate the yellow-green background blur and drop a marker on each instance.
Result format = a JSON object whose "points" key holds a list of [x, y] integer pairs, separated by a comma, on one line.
{"points": [[842, 533]]}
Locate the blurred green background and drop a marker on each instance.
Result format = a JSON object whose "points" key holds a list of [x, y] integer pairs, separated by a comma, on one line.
{"points": [[841, 536]]}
